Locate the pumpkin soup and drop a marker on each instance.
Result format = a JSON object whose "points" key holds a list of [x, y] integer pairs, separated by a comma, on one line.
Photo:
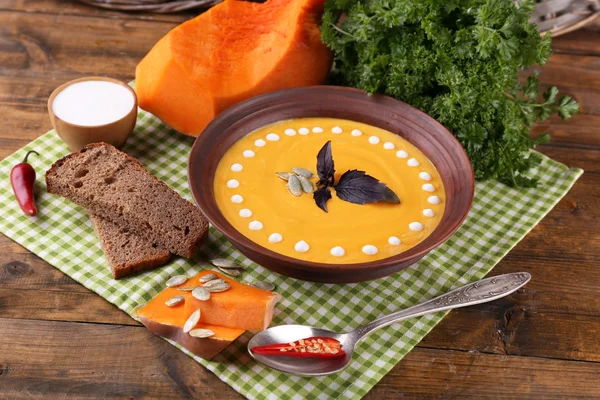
{"points": [[384, 197]]}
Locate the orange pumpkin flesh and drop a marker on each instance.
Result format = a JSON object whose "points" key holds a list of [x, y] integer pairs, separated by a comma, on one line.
{"points": [[206, 348], [228, 314], [241, 306], [234, 51], [168, 322]]}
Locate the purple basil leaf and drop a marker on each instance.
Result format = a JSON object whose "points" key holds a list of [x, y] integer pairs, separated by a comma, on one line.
{"points": [[389, 196], [325, 166], [359, 188], [321, 196]]}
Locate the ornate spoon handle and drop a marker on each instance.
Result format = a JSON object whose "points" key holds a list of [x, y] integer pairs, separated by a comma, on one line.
{"points": [[482, 291]]}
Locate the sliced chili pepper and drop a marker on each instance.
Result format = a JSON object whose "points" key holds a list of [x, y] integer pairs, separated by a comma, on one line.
{"points": [[22, 178], [313, 347]]}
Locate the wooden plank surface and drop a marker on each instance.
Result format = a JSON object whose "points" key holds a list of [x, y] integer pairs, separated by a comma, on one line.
{"points": [[59, 340], [112, 361], [73, 7]]}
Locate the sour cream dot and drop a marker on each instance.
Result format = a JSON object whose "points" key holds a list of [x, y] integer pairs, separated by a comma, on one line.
{"points": [[425, 176], [317, 129], [338, 251], [275, 238], [272, 137], [401, 154], [370, 249], [237, 199], [233, 183], [428, 212], [413, 162], [336, 129], [248, 153], [290, 132], [245, 213], [415, 226], [374, 139], [236, 167], [433, 200], [389, 146], [303, 131], [260, 143], [301, 247], [255, 225], [428, 187], [394, 241], [356, 132]]}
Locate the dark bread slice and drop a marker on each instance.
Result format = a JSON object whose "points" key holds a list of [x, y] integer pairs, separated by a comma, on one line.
{"points": [[112, 185], [127, 253]]}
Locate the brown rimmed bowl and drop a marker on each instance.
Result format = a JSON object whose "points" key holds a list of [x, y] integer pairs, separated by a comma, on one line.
{"points": [[435, 141]]}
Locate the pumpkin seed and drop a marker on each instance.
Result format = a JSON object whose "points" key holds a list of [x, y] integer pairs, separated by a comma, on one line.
{"points": [[173, 301], [302, 172], [176, 280], [263, 285], [201, 333], [223, 262], [231, 271], [283, 175], [294, 186], [207, 277], [201, 293], [214, 282], [307, 186], [221, 287], [187, 288], [192, 321]]}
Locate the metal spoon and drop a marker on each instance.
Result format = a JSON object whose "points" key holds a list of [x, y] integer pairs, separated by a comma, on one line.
{"points": [[482, 291]]}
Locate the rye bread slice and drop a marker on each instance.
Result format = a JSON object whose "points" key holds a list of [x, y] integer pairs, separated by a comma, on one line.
{"points": [[112, 185], [127, 253]]}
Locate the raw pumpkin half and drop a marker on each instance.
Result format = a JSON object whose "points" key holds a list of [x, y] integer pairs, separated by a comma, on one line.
{"points": [[234, 51]]}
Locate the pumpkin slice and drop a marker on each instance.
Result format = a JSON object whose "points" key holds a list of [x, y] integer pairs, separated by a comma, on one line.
{"points": [[234, 51], [241, 306], [168, 322]]}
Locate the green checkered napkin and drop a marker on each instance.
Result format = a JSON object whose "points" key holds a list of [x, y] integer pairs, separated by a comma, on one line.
{"points": [[62, 235]]}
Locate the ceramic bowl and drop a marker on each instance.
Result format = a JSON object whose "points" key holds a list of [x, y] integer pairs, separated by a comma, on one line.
{"points": [[77, 136], [435, 141]]}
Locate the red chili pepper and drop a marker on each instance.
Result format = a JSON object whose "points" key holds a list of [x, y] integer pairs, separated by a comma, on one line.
{"points": [[313, 347], [22, 178]]}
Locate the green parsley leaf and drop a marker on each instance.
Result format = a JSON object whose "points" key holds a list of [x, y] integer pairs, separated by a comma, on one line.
{"points": [[458, 61], [567, 107]]}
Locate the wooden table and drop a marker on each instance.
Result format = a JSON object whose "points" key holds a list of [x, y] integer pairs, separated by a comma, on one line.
{"points": [[57, 339]]}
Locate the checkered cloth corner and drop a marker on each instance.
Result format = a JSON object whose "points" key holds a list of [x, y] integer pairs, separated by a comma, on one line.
{"points": [[62, 235]]}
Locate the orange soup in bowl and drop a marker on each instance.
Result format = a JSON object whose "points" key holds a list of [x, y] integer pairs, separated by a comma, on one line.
{"points": [[256, 189]]}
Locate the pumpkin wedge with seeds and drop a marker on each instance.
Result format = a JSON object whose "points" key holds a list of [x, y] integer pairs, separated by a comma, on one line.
{"points": [[223, 315], [168, 321], [240, 306]]}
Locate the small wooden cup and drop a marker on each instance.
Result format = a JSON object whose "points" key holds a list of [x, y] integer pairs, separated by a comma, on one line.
{"points": [[77, 136]]}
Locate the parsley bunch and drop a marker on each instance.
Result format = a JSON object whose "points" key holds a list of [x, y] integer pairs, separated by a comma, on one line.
{"points": [[458, 61]]}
